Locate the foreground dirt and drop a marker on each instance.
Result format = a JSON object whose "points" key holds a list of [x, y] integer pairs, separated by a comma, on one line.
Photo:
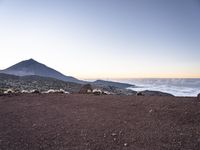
{"points": [[87, 122]]}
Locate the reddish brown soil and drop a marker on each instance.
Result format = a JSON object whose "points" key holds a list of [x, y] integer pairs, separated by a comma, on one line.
{"points": [[87, 122]]}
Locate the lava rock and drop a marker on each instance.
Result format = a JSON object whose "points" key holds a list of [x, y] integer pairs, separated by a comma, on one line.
{"points": [[86, 89]]}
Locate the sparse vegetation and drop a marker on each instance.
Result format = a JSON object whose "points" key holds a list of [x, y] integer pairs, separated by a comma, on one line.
{"points": [[27, 83]]}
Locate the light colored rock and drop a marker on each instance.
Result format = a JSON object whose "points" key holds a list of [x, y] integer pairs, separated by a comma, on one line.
{"points": [[9, 91], [63, 91], [114, 134], [106, 93], [89, 91], [25, 91], [97, 92], [34, 91], [151, 110], [49, 91], [55, 91]]}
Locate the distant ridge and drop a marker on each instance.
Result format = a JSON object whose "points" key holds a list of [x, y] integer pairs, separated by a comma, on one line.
{"points": [[32, 67], [111, 83]]}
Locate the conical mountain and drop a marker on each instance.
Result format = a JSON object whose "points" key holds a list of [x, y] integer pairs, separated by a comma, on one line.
{"points": [[32, 67]]}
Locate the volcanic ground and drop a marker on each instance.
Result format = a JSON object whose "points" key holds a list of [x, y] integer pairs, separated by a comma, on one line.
{"points": [[89, 122]]}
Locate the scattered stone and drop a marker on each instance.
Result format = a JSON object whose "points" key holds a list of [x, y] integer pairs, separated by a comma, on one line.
{"points": [[34, 125], [151, 110], [104, 135], [114, 134], [125, 144]]}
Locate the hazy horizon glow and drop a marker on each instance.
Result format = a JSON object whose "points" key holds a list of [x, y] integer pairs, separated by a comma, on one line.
{"points": [[94, 39]]}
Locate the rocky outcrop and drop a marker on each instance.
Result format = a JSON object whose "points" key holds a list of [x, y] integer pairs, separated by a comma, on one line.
{"points": [[103, 83], [9, 91], [198, 97], [152, 93], [86, 89], [111, 90]]}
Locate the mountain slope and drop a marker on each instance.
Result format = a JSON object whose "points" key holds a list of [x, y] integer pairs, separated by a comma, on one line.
{"points": [[36, 82], [32, 67]]}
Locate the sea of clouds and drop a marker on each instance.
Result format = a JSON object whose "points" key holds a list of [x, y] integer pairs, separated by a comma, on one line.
{"points": [[177, 87]]}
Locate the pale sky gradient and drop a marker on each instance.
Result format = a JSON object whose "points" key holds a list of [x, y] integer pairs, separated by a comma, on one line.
{"points": [[103, 38]]}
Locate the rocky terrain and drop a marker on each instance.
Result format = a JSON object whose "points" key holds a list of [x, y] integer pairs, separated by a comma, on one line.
{"points": [[20, 83], [77, 122], [31, 84]]}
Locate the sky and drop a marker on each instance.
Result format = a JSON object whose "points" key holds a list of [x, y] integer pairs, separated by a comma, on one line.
{"points": [[93, 39]]}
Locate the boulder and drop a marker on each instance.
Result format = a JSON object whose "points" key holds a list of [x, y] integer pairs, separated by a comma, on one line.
{"points": [[25, 91], [9, 91], [198, 97], [63, 91], [97, 92], [140, 94], [35, 91], [86, 89], [106, 93]]}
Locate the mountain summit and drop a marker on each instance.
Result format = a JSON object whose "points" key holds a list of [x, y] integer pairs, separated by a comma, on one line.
{"points": [[32, 67]]}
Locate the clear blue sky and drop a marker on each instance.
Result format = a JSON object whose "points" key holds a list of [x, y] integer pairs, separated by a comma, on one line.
{"points": [[103, 38]]}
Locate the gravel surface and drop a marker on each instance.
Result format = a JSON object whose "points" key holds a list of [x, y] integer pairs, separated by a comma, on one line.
{"points": [[88, 122]]}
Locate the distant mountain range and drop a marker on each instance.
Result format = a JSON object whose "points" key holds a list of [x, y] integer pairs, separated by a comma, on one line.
{"points": [[101, 83], [33, 68]]}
